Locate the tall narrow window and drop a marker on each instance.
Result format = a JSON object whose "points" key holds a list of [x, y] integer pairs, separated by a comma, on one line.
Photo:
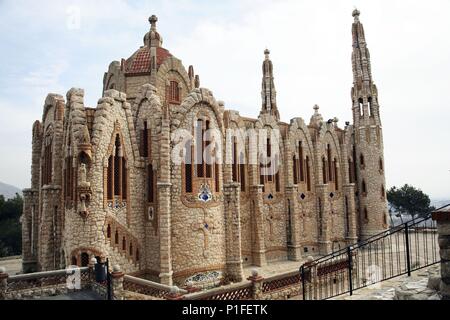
{"points": [[188, 167], [269, 154], [351, 177], [324, 170], [174, 92], [217, 177], [200, 144], [361, 160], [330, 164], [294, 169], [363, 186], [361, 108], [381, 164], [144, 140], [383, 192], [242, 176], [235, 167], [277, 182], [124, 179], [336, 180], [47, 162], [300, 161], [308, 174], [117, 173], [347, 218], [151, 186], [207, 142], [110, 178]]}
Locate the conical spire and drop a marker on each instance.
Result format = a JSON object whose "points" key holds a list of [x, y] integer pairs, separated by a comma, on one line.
{"points": [[362, 74], [268, 93], [364, 91]]}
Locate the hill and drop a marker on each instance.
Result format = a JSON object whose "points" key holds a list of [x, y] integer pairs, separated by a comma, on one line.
{"points": [[9, 191]]}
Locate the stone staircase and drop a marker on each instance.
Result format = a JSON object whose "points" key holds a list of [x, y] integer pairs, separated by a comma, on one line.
{"points": [[123, 242]]}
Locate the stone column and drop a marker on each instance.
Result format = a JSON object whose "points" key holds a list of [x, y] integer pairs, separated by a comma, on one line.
{"points": [[117, 282], [258, 244], [294, 245], [323, 213], [257, 282], [164, 210], [49, 245], [29, 222], [442, 218], [349, 192], [3, 283], [235, 271]]}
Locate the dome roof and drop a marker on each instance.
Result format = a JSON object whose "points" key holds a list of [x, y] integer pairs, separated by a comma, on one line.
{"points": [[140, 61]]}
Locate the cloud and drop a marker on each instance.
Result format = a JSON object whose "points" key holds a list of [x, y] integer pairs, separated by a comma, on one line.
{"points": [[310, 45]]}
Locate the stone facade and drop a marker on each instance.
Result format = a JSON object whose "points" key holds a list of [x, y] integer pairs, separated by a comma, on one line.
{"points": [[105, 184]]}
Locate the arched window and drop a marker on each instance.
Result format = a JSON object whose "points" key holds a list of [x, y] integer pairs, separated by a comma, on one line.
{"points": [[131, 248], [74, 261], [116, 237], [108, 231], [383, 192], [204, 171], [124, 243], [384, 218], [137, 255], [117, 181], [361, 161], [366, 214], [380, 164]]}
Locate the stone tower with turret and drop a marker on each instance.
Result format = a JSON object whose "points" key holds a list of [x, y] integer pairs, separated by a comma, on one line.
{"points": [[368, 138]]}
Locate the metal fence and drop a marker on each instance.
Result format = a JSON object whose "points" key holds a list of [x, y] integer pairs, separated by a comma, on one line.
{"points": [[395, 252]]}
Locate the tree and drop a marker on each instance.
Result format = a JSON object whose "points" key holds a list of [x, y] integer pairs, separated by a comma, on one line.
{"points": [[409, 200], [10, 228]]}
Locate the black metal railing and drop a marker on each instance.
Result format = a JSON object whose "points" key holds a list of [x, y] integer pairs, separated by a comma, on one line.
{"points": [[395, 252]]}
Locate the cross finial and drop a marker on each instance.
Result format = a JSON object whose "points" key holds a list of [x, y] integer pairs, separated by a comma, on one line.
{"points": [[267, 52], [153, 19], [355, 14]]}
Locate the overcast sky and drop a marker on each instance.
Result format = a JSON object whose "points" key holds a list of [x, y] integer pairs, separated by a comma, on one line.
{"points": [[45, 47]]}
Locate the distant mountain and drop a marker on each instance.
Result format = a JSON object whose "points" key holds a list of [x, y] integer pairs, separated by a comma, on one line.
{"points": [[9, 191], [439, 203]]}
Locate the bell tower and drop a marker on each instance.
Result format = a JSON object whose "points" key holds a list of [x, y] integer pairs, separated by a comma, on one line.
{"points": [[368, 139]]}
